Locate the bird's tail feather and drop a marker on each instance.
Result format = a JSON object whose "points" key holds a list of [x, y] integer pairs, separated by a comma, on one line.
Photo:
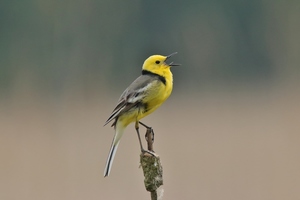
{"points": [[110, 159], [113, 150]]}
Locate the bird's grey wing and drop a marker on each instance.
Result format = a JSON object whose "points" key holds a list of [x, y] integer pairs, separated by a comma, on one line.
{"points": [[131, 96]]}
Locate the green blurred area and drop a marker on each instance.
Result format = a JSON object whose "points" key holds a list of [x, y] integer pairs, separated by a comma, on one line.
{"points": [[104, 43]]}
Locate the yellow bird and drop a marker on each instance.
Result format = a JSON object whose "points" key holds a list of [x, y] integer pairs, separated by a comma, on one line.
{"points": [[140, 99]]}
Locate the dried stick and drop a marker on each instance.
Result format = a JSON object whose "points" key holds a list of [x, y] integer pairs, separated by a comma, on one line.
{"points": [[151, 165]]}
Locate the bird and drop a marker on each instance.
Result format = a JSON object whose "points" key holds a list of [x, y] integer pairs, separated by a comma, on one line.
{"points": [[141, 98]]}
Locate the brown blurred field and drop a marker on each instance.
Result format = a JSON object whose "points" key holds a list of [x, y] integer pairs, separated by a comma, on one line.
{"points": [[221, 144]]}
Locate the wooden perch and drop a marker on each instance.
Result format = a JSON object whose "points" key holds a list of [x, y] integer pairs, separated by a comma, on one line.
{"points": [[152, 167]]}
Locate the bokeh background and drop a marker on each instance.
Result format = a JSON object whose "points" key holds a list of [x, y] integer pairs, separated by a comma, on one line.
{"points": [[230, 130]]}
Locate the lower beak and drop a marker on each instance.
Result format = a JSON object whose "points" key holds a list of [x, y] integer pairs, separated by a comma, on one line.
{"points": [[173, 64]]}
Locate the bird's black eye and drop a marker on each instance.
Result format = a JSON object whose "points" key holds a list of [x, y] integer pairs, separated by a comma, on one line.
{"points": [[157, 62]]}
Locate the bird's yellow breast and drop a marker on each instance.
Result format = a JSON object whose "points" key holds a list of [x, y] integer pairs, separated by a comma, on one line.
{"points": [[158, 93]]}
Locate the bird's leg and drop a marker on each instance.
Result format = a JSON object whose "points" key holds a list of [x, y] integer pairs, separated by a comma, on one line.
{"points": [[149, 136], [138, 133], [149, 130]]}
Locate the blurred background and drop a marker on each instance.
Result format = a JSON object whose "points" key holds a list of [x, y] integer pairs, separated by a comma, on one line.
{"points": [[230, 130]]}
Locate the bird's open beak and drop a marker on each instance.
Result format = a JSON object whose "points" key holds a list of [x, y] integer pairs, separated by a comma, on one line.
{"points": [[171, 63]]}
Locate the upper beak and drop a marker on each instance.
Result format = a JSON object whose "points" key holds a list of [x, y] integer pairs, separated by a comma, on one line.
{"points": [[171, 63]]}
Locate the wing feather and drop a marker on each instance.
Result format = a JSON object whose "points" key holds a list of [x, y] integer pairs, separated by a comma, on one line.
{"points": [[132, 96]]}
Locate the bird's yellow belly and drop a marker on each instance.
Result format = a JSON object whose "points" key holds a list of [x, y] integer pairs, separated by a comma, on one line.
{"points": [[162, 93]]}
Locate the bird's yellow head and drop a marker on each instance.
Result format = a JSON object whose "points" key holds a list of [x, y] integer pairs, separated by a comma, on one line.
{"points": [[158, 64]]}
